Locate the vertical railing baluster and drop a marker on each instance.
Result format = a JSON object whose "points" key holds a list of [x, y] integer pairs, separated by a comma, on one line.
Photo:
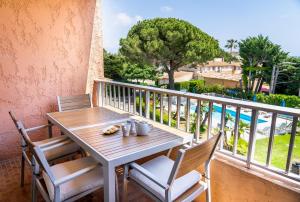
{"points": [[161, 109], [154, 107], [236, 129], [107, 92], [252, 137], [188, 108], [119, 97], [198, 118], [110, 96], [115, 96], [134, 100], [169, 109], [124, 98], [210, 109], [178, 112], [291, 145], [147, 104], [129, 99], [141, 107], [99, 94], [104, 94], [223, 114], [271, 139]]}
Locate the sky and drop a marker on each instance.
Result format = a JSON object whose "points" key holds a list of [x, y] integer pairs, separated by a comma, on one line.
{"points": [[222, 19]]}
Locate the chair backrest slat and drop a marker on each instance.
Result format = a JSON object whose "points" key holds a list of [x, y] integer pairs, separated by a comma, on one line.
{"points": [[198, 155], [24, 134], [66, 103], [21, 129], [14, 119]]}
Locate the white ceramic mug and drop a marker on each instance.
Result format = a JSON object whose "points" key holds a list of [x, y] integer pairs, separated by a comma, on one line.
{"points": [[143, 128], [132, 127], [126, 129]]}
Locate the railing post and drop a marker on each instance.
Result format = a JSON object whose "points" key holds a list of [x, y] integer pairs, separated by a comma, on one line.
{"points": [[124, 98], [198, 118], [188, 108], [169, 109], [99, 94], [271, 139], [210, 109], [119, 97], [154, 107], [110, 96], [291, 145], [115, 96], [134, 100], [178, 112], [161, 109], [252, 138], [236, 129], [141, 101], [147, 104], [223, 114], [129, 99]]}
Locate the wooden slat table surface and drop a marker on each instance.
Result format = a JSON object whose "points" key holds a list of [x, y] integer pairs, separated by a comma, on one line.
{"points": [[115, 146], [85, 127], [85, 117]]}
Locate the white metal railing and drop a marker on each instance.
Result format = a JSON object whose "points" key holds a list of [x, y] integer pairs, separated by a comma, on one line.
{"points": [[124, 96]]}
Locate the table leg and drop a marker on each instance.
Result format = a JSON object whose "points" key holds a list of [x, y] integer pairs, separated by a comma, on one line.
{"points": [[50, 130], [109, 183]]}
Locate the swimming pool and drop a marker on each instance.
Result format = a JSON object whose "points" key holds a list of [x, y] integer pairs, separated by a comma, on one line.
{"points": [[218, 110]]}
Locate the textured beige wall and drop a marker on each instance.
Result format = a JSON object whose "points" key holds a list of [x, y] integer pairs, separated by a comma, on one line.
{"points": [[96, 69], [45, 48], [231, 184]]}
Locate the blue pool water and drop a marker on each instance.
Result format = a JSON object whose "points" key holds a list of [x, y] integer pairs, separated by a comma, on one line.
{"points": [[243, 117], [218, 110]]}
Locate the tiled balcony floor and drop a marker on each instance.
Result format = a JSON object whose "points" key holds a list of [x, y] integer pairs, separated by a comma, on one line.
{"points": [[10, 190]]}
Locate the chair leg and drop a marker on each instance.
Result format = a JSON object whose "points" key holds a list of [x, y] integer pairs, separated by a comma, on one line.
{"points": [[208, 195], [33, 188], [22, 170], [35, 171]]}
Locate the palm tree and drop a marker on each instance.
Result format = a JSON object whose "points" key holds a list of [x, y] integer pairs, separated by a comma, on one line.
{"points": [[231, 44]]}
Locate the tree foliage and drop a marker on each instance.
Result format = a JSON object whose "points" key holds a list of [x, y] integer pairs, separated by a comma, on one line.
{"points": [[231, 44], [259, 55], [113, 65], [139, 72], [168, 43], [288, 81]]}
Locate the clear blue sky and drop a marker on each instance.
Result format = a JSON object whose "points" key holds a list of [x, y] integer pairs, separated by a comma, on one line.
{"points": [[222, 19]]}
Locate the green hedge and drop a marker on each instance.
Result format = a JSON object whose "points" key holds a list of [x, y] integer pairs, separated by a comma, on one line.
{"points": [[198, 86], [276, 99]]}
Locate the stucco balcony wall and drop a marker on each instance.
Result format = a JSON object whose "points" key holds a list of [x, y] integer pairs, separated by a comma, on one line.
{"points": [[45, 51]]}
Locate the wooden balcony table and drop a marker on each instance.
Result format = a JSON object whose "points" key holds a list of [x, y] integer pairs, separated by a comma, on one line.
{"points": [[85, 127]]}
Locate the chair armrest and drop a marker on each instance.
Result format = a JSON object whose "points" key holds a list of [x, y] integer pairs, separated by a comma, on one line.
{"points": [[61, 139], [46, 147], [38, 127], [71, 176], [147, 174]]}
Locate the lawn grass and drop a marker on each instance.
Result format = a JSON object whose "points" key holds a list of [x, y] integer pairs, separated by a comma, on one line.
{"points": [[280, 150]]}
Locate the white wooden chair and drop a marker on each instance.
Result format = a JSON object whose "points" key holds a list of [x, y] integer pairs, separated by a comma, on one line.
{"points": [[64, 145], [66, 181], [167, 180], [66, 103]]}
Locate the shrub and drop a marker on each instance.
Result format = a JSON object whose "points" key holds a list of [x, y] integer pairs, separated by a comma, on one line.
{"points": [[198, 86], [276, 99]]}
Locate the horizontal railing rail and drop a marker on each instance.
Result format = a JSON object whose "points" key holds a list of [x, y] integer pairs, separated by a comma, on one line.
{"points": [[146, 101]]}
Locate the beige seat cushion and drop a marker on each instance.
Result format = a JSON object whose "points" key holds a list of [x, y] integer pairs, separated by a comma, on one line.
{"points": [[87, 181], [59, 151], [161, 168]]}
